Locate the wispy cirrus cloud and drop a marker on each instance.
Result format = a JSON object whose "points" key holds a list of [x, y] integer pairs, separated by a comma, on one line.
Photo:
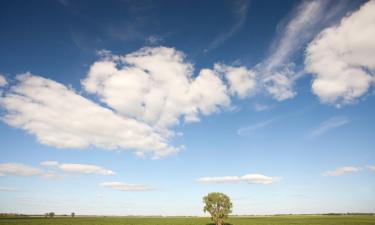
{"points": [[154, 40], [342, 171], [300, 27], [278, 70], [126, 187], [240, 10], [248, 178], [325, 126], [9, 189], [243, 131], [258, 107]]}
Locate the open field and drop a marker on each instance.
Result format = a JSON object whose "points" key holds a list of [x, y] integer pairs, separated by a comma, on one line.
{"points": [[270, 220]]}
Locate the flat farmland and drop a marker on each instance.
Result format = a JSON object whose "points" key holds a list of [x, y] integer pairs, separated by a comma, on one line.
{"points": [[264, 220]]}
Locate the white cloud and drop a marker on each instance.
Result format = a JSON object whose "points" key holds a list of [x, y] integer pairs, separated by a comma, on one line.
{"points": [[259, 179], [3, 81], [156, 86], [371, 167], [51, 175], [224, 179], [334, 122], [342, 58], [277, 71], [242, 82], [342, 171], [126, 187], [147, 92], [249, 178], [18, 169], [299, 29], [49, 163], [154, 40], [261, 107], [247, 130], [240, 12], [78, 168], [59, 117], [280, 86], [9, 189], [208, 92]]}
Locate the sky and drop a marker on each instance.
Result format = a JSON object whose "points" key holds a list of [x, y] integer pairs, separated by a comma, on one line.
{"points": [[143, 107]]}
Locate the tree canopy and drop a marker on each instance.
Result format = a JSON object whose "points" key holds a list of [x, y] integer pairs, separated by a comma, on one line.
{"points": [[218, 205]]}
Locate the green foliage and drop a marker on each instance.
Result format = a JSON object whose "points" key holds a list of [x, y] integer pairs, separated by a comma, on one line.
{"points": [[218, 205], [255, 220]]}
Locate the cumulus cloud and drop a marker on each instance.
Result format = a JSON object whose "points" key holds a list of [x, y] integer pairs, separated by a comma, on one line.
{"points": [[78, 168], [59, 117], [249, 178], [156, 86], [341, 57], [279, 85], [334, 122], [126, 187], [242, 81], [143, 95], [342, 171], [3, 81]]}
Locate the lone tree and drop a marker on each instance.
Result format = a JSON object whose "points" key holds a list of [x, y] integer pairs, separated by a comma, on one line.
{"points": [[72, 214], [51, 214], [218, 205]]}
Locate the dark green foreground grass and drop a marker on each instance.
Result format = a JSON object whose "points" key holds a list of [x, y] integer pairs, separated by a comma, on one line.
{"points": [[271, 220]]}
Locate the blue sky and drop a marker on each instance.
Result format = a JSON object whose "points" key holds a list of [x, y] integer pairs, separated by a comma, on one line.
{"points": [[143, 107]]}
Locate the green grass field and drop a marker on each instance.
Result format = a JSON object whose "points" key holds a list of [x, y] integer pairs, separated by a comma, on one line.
{"points": [[271, 220]]}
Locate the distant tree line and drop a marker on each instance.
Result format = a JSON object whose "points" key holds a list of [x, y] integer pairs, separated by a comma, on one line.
{"points": [[46, 215], [13, 215], [49, 215]]}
